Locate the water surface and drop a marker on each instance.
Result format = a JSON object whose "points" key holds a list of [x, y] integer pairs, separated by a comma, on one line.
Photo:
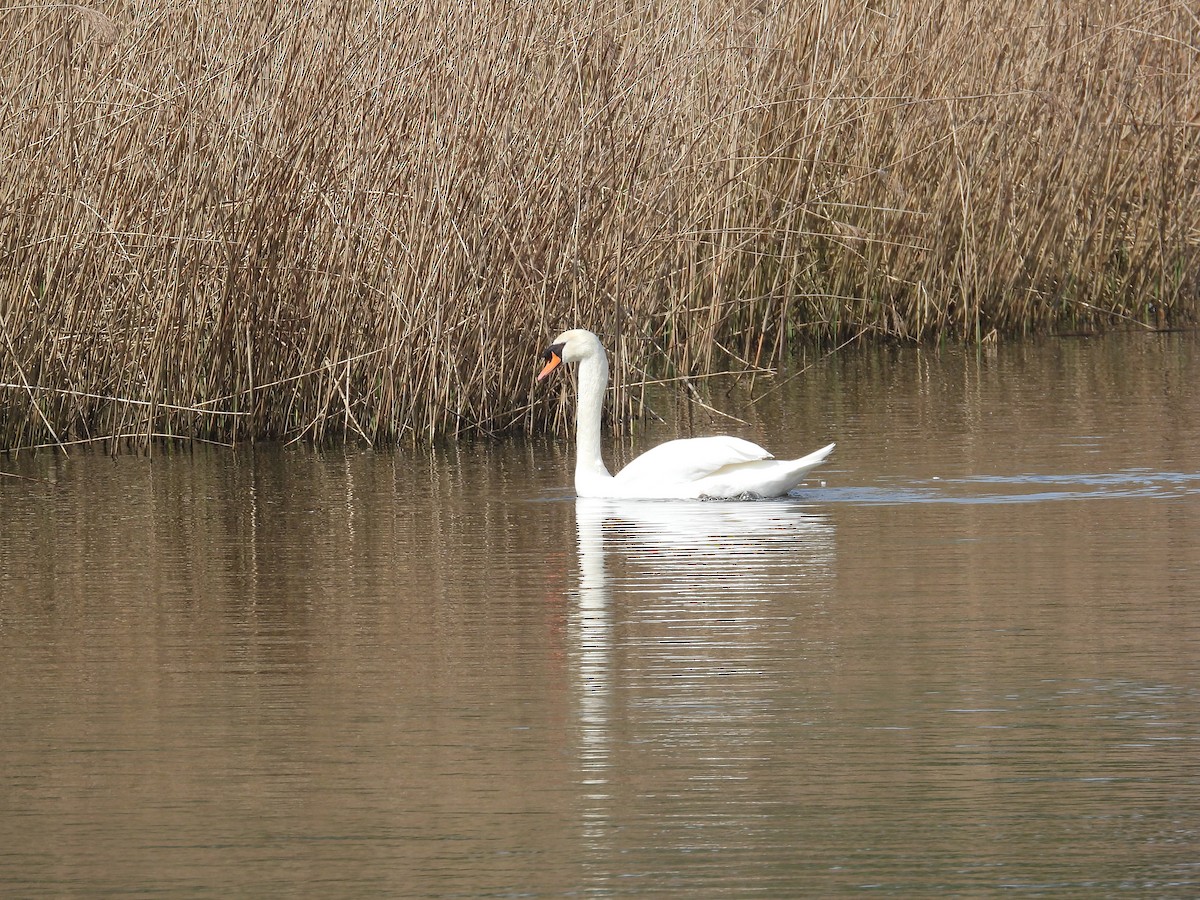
{"points": [[964, 659]]}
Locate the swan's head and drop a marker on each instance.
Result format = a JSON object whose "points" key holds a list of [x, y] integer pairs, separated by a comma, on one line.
{"points": [[570, 346]]}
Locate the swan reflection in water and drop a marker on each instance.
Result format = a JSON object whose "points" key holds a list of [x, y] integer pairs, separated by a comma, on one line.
{"points": [[671, 594]]}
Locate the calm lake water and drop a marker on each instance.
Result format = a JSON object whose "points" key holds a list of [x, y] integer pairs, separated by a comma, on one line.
{"points": [[965, 660]]}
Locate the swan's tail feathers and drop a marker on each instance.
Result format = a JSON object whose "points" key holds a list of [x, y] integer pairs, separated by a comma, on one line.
{"points": [[764, 477], [802, 466], [817, 456]]}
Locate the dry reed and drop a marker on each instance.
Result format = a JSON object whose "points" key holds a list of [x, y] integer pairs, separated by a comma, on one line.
{"points": [[230, 220]]}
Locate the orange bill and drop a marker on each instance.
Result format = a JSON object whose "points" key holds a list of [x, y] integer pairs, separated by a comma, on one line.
{"points": [[551, 365]]}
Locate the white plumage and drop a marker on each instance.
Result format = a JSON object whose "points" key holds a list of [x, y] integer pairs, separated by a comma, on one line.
{"points": [[718, 467]]}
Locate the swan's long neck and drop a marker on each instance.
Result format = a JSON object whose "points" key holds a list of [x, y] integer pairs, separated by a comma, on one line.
{"points": [[593, 382]]}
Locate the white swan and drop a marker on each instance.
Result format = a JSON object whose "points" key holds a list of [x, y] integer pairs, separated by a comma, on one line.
{"points": [[711, 467]]}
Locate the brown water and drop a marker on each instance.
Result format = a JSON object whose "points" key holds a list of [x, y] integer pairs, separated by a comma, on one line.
{"points": [[968, 662]]}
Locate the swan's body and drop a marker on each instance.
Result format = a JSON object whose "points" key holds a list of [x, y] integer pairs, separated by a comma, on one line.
{"points": [[691, 468]]}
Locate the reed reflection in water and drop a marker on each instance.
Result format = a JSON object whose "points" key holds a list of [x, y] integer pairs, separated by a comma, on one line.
{"points": [[967, 664]]}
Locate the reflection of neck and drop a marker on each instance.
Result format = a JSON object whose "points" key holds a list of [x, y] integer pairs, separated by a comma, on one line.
{"points": [[589, 525], [594, 671], [593, 381]]}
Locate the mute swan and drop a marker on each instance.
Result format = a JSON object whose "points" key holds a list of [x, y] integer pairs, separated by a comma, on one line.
{"points": [[710, 467]]}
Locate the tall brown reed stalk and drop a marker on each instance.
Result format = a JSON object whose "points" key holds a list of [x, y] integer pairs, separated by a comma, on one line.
{"points": [[229, 221]]}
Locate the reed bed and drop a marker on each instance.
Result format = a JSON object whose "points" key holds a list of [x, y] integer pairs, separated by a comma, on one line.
{"points": [[235, 221]]}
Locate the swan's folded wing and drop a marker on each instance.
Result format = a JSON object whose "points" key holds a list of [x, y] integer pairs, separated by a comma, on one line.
{"points": [[688, 460]]}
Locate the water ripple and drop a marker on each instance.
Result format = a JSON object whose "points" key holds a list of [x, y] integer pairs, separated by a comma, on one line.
{"points": [[1024, 488]]}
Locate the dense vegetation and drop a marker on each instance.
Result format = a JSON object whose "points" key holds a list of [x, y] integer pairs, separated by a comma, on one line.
{"points": [[231, 220]]}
